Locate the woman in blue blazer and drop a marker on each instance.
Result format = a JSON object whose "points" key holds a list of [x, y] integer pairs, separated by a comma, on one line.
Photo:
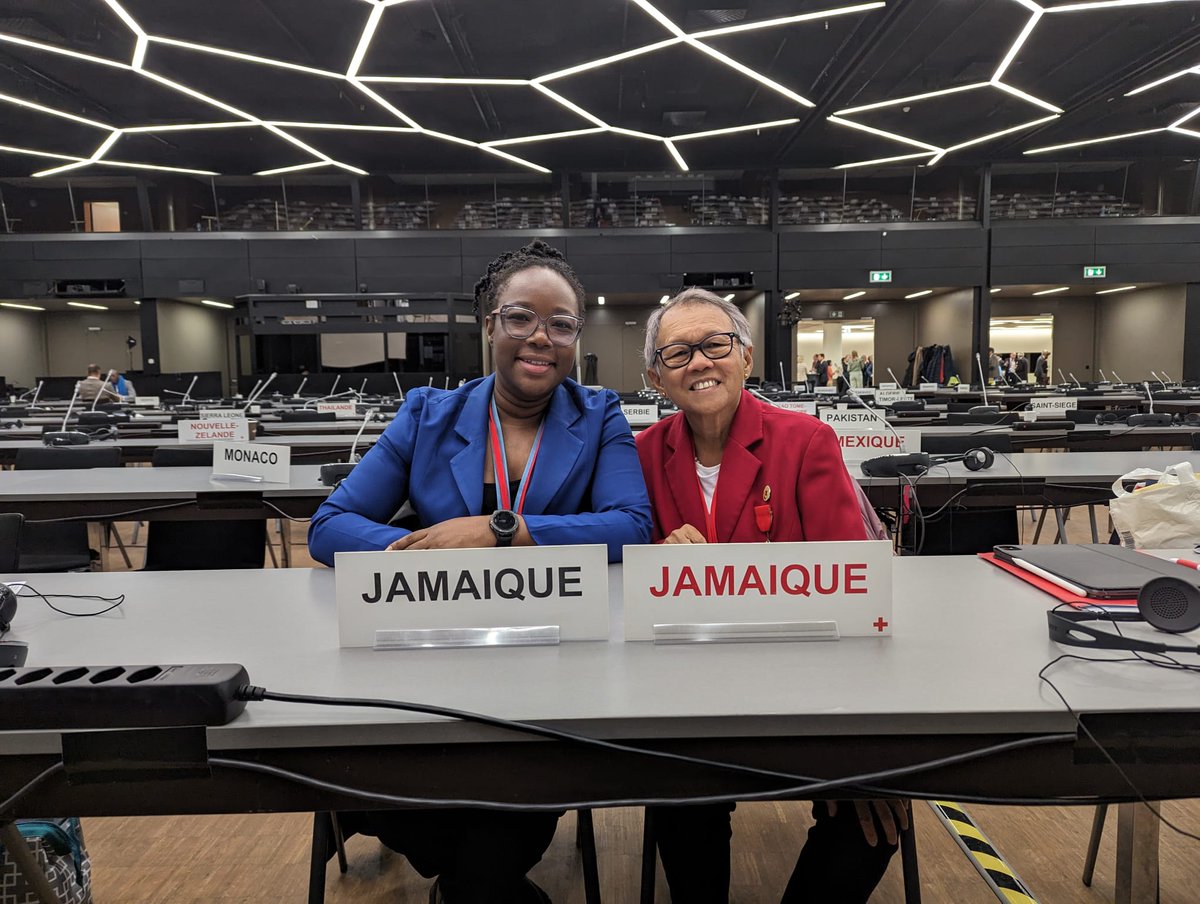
{"points": [[523, 457]]}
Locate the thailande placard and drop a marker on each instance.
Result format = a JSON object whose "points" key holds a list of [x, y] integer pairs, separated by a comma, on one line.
{"points": [[566, 586], [759, 583]]}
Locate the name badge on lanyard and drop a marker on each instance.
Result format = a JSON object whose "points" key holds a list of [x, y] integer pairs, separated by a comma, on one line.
{"points": [[500, 463]]}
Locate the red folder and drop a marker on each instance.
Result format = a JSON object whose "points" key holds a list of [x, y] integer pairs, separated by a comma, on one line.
{"points": [[1059, 593]]}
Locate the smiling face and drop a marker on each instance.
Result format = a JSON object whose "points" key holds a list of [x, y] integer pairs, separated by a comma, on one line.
{"points": [[704, 387], [528, 370]]}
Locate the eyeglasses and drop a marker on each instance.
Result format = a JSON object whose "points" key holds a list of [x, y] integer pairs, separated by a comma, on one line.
{"points": [[521, 323], [680, 354]]}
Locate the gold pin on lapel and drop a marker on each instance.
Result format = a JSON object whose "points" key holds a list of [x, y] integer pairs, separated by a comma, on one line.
{"points": [[767, 493]]}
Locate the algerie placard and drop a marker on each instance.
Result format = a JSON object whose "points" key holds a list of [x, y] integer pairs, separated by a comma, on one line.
{"points": [[858, 445], [640, 415], [887, 396], [1050, 403], [259, 460], [747, 583], [341, 410], [216, 429], [523, 586]]}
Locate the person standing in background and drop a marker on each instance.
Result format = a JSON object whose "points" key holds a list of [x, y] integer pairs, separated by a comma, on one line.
{"points": [[854, 370], [995, 371], [1041, 370]]}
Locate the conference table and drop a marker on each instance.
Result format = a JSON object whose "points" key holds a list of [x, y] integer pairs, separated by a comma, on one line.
{"points": [[958, 675], [307, 447]]}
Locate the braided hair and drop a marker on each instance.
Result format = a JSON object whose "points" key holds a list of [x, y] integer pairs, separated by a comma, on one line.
{"points": [[536, 254]]}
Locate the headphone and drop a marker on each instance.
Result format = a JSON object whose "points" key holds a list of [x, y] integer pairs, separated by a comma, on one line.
{"points": [[8, 607], [1107, 418], [1167, 603], [911, 464]]}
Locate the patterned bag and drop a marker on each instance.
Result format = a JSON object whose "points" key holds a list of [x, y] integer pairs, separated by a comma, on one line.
{"points": [[57, 845]]}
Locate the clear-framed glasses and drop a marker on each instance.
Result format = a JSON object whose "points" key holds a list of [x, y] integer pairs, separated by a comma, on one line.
{"points": [[679, 354], [521, 323]]}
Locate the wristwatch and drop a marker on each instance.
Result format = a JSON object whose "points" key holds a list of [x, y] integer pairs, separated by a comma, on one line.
{"points": [[504, 526]]}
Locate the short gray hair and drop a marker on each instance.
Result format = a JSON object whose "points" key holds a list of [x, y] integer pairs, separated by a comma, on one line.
{"points": [[694, 296]]}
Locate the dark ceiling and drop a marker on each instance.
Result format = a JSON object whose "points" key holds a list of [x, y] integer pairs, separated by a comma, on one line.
{"points": [[360, 85]]}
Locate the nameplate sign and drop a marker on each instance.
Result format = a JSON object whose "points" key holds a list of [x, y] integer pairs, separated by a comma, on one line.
{"points": [[1053, 404], [226, 413], [804, 407], [887, 396], [928, 387], [858, 445], [825, 390], [963, 387], [447, 590], [889, 385], [214, 429], [145, 401], [340, 410], [865, 391], [707, 588], [253, 461], [858, 418], [640, 415]]}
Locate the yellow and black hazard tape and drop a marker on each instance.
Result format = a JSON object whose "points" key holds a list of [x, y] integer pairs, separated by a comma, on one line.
{"points": [[1004, 883]]}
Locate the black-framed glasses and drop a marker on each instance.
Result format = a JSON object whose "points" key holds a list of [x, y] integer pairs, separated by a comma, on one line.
{"points": [[680, 354], [521, 323]]}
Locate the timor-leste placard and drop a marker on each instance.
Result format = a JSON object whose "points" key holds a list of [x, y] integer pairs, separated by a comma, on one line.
{"points": [[523, 586], [746, 583]]}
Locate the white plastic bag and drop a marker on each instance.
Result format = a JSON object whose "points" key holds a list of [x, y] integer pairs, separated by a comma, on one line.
{"points": [[1162, 515]]}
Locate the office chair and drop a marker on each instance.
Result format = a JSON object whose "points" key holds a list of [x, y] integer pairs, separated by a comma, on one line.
{"points": [[201, 545], [62, 546], [958, 532], [307, 415]]}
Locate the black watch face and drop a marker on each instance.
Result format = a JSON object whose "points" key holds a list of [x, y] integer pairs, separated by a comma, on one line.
{"points": [[504, 521]]}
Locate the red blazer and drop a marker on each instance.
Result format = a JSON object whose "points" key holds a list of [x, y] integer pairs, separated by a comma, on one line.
{"points": [[796, 455]]}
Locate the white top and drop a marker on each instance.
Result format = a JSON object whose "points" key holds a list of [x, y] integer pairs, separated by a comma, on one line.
{"points": [[708, 481]]}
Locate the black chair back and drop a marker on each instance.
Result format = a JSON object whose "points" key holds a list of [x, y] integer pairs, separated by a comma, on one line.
{"points": [[307, 414], [201, 545], [10, 541], [62, 546], [957, 445]]}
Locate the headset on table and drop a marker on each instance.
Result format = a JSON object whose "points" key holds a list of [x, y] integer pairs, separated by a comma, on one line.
{"points": [[912, 464], [1166, 603]]}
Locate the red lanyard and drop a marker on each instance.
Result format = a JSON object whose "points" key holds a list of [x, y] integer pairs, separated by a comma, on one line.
{"points": [[500, 463], [710, 511]]}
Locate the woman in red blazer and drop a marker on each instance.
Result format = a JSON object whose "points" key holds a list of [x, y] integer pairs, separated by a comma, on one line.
{"points": [[731, 469]]}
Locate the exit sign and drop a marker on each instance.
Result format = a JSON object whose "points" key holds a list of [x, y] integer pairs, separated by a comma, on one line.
{"points": [[1095, 272], [878, 276]]}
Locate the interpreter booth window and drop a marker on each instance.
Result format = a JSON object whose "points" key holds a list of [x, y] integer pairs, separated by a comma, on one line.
{"points": [[722, 198], [1090, 189], [352, 352]]}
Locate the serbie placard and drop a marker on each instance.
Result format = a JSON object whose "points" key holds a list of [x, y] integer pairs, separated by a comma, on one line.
{"points": [[858, 445], [640, 415], [211, 430], [340, 410], [447, 589], [1050, 403], [759, 583], [257, 461]]}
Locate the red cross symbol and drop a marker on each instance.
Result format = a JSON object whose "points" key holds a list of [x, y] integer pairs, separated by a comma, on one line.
{"points": [[879, 624]]}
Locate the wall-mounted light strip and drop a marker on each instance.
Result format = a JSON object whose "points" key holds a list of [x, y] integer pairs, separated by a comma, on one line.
{"points": [[1026, 96], [1162, 81], [881, 160], [606, 61], [50, 155], [675, 153], [549, 136], [570, 105], [189, 126], [920, 294], [299, 167], [751, 127], [1052, 291], [884, 134], [90, 307], [364, 41], [439, 80], [1015, 48], [215, 304], [345, 127], [1107, 4], [912, 98], [791, 295], [30, 105], [1118, 289], [387, 105], [63, 51], [244, 57], [20, 307], [995, 289], [853, 295], [786, 20]]}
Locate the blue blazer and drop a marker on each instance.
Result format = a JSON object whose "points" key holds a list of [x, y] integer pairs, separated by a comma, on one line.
{"points": [[587, 484]]}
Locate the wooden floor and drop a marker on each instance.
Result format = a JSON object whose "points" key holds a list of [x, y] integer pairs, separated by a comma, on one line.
{"points": [[264, 858]]}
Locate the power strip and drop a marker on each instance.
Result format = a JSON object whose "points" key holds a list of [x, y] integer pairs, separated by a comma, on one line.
{"points": [[114, 696]]}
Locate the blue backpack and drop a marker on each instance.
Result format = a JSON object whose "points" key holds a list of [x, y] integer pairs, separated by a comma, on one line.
{"points": [[57, 845]]}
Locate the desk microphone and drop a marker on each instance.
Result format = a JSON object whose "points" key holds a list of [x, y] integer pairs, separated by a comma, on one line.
{"points": [[347, 392], [1160, 379], [986, 407], [334, 473], [1063, 377], [782, 379], [1168, 376], [362, 389], [854, 395], [35, 392], [1076, 379], [893, 376], [1103, 379], [65, 437], [296, 394], [1151, 419], [396, 377], [431, 382], [253, 397], [103, 389], [336, 380], [1117, 377], [185, 395]]}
